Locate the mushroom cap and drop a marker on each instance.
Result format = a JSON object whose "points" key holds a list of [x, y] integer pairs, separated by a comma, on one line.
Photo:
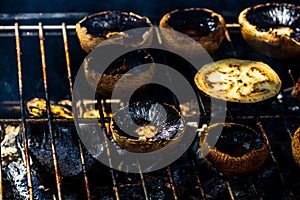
{"points": [[161, 124], [239, 149], [124, 72], [272, 29], [94, 29], [203, 25]]}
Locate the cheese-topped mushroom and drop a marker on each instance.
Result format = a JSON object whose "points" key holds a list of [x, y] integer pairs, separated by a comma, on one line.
{"points": [[146, 126]]}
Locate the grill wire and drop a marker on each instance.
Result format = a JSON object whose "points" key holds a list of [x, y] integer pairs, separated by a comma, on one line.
{"points": [[63, 28]]}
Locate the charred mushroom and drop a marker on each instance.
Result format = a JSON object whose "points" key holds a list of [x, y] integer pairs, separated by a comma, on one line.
{"points": [[146, 126], [238, 150], [203, 25], [94, 29], [272, 29], [128, 71]]}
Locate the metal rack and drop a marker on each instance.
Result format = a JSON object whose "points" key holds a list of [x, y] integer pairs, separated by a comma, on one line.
{"points": [[63, 30]]}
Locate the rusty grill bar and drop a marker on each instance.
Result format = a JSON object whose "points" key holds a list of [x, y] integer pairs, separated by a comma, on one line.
{"points": [[65, 39], [63, 30], [22, 106], [49, 114]]}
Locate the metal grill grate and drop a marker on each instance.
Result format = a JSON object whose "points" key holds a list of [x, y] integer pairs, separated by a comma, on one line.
{"points": [[64, 30]]}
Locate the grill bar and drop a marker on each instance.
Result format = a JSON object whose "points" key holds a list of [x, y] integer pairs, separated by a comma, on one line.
{"points": [[292, 77], [172, 182], [37, 27], [59, 27], [22, 108], [112, 172], [66, 46], [230, 190], [65, 38], [198, 180], [49, 115], [276, 163], [86, 181], [143, 182], [105, 128]]}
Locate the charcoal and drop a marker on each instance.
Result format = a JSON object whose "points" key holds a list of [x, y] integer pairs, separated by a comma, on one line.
{"points": [[106, 198], [157, 189], [215, 188], [16, 174], [67, 149], [243, 188], [184, 175]]}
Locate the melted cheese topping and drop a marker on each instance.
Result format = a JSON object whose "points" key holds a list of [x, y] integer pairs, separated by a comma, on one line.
{"points": [[237, 80], [147, 131]]}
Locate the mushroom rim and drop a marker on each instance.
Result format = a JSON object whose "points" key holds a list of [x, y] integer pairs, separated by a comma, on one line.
{"points": [[108, 12], [116, 130], [214, 150], [163, 22], [264, 36]]}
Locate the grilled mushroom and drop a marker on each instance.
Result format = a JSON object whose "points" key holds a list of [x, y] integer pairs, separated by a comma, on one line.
{"points": [[94, 29], [105, 83], [146, 126], [296, 146], [203, 25], [239, 149], [272, 29]]}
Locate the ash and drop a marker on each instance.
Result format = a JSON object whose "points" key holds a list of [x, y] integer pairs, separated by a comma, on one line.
{"points": [[16, 173], [9, 148], [15, 179]]}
